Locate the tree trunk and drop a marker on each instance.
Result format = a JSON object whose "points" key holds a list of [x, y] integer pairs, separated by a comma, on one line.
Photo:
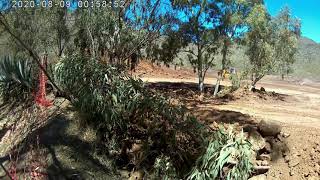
{"points": [[254, 81], [201, 71], [224, 59], [216, 88], [224, 54], [201, 82]]}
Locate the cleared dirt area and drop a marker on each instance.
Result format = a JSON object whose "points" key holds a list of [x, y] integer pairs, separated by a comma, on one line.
{"points": [[294, 104]]}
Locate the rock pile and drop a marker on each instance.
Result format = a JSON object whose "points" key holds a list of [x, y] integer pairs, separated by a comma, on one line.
{"points": [[268, 142]]}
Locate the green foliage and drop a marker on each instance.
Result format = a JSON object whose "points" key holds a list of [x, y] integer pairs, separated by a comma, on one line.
{"points": [[114, 34], [235, 81], [271, 42], [16, 81], [191, 36], [232, 18], [227, 157], [260, 43], [123, 112], [164, 169], [287, 33], [42, 30]]}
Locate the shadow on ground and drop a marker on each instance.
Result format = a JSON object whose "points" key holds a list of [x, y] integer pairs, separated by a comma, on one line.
{"points": [[188, 93], [72, 157], [223, 116], [67, 155], [190, 86]]}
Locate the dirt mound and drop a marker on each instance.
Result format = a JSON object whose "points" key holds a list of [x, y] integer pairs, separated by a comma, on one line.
{"points": [[258, 95], [146, 68]]}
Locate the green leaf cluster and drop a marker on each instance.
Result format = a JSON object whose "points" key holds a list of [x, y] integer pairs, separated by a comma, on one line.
{"points": [[123, 112], [227, 157], [16, 79]]}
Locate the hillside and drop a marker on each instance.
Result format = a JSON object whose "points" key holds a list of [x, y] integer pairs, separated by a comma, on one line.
{"points": [[308, 59], [309, 51]]}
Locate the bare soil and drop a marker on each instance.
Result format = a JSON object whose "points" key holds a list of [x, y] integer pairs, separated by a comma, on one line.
{"points": [[294, 104]]}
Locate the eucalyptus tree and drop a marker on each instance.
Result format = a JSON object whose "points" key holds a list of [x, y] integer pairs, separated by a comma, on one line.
{"points": [[114, 34], [287, 35], [40, 29], [260, 41], [35, 31], [232, 24], [232, 27], [192, 36]]}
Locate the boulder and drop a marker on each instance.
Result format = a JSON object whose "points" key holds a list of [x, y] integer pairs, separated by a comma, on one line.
{"points": [[270, 128], [257, 141]]}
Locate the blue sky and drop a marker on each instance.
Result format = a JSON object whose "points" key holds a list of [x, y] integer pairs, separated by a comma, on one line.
{"points": [[306, 10]]}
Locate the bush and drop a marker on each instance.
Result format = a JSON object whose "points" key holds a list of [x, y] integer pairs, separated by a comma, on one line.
{"points": [[124, 113], [227, 157], [235, 82], [16, 81]]}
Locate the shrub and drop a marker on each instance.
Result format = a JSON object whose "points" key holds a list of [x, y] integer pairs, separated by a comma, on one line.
{"points": [[235, 82], [227, 157], [123, 113], [16, 81]]}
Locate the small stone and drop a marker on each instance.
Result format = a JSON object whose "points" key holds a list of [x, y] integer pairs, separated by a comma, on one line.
{"points": [[285, 135], [265, 157], [291, 172], [262, 163], [286, 159], [261, 169], [257, 141], [293, 163]]}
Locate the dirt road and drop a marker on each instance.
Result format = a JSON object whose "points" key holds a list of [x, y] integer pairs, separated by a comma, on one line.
{"points": [[301, 105]]}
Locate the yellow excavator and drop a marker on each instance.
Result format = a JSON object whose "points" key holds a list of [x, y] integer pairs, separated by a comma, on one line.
{"points": [[226, 73]]}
